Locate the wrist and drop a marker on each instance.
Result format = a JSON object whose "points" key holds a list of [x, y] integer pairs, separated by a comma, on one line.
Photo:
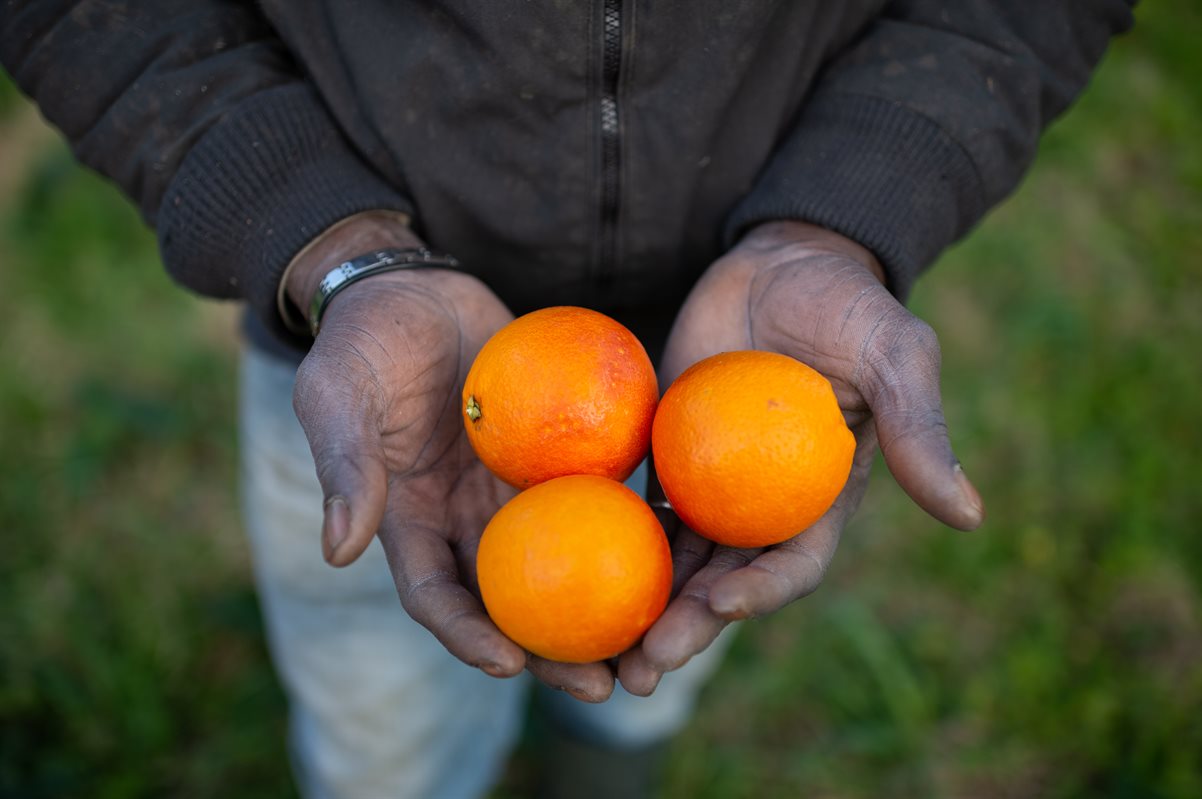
{"points": [[407, 296], [785, 237], [344, 240]]}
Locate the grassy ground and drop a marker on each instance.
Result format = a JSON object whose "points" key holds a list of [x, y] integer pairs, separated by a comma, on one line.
{"points": [[1055, 653]]}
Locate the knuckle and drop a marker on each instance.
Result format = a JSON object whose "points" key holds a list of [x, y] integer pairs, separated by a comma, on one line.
{"points": [[695, 596], [303, 388], [338, 413], [904, 427], [808, 572], [898, 334], [339, 463], [812, 565], [922, 336], [419, 596], [689, 561], [900, 351], [315, 387], [727, 559]]}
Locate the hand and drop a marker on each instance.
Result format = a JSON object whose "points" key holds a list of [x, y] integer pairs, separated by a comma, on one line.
{"points": [[379, 399], [797, 289]]}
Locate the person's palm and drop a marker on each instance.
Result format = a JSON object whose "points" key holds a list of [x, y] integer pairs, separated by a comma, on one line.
{"points": [[379, 398], [815, 296]]}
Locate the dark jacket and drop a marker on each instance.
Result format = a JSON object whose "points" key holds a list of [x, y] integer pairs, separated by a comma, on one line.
{"points": [[594, 153]]}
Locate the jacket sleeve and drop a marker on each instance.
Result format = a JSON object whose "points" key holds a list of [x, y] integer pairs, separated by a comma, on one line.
{"points": [[195, 109], [927, 120]]}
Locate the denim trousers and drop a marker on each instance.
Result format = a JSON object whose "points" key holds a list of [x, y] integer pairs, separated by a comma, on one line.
{"points": [[377, 707]]}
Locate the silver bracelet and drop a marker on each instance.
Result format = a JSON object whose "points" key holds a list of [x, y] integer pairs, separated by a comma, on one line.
{"points": [[373, 263]]}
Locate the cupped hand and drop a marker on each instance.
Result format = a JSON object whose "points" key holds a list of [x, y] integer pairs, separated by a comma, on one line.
{"points": [[379, 399], [809, 293]]}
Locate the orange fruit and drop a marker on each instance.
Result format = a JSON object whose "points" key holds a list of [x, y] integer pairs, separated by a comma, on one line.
{"points": [[575, 569], [751, 447], [560, 391]]}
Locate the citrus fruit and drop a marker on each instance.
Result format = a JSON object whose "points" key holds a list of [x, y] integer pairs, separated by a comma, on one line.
{"points": [[560, 391], [751, 447], [575, 569]]}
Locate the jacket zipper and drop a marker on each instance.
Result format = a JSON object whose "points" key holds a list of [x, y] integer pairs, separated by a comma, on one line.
{"points": [[611, 150]]}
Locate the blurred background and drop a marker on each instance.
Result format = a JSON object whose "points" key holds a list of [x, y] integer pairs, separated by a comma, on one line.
{"points": [[1056, 652]]}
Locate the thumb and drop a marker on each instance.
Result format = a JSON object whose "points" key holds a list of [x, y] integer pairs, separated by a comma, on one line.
{"points": [[899, 377], [348, 454]]}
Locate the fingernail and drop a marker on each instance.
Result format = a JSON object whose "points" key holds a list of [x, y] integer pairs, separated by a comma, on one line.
{"points": [[582, 695], [336, 525], [492, 669], [730, 605], [650, 689], [975, 509], [726, 608]]}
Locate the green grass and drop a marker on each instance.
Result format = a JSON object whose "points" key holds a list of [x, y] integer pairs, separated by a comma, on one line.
{"points": [[1053, 653], [1056, 651], [132, 660]]}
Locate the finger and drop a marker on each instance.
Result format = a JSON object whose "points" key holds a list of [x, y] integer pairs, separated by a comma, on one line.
{"points": [[636, 673], [899, 376], [795, 568], [688, 625], [465, 518], [690, 552], [588, 682], [349, 458], [427, 580], [659, 501]]}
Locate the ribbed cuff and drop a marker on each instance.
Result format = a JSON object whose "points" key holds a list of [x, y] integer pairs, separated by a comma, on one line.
{"points": [[876, 172], [257, 188]]}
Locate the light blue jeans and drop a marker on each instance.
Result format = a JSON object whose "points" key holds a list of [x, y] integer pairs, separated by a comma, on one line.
{"points": [[378, 707]]}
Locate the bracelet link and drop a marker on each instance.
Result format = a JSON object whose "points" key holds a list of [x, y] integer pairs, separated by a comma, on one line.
{"points": [[373, 263]]}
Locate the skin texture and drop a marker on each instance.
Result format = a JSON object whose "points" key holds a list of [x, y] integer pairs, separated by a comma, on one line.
{"points": [[378, 397], [797, 289]]}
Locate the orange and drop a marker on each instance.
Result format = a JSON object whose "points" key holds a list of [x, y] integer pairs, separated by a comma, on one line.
{"points": [[575, 569], [751, 447], [560, 391]]}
